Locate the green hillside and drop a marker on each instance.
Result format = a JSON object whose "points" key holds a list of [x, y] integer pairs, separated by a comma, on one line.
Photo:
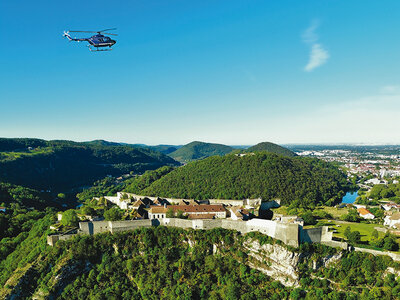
{"points": [[62, 165], [166, 149], [294, 180], [11, 193], [271, 147], [136, 185], [199, 150], [174, 263]]}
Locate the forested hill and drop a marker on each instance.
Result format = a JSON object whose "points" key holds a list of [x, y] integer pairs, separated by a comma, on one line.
{"points": [[174, 263], [11, 193], [271, 147], [62, 165], [199, 150], [297, 180]]}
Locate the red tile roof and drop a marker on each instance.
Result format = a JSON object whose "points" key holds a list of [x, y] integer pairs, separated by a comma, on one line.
{"points": [[201, 216], [363, 211], [198, 208]]}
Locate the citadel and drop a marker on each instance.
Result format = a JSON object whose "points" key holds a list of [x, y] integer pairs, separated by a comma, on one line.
{"points": [[203, 215]]}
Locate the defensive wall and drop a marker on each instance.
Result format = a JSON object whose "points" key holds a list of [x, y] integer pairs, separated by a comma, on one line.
{"points": [[119, 200], [52, 239], [289, 233]]}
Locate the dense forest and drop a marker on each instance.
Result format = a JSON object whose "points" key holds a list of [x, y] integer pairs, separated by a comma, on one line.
{"points": [[63, 165], [199, 150], [11, 193], [271, 147], [382, 191], [298, 181], [139, 183]]}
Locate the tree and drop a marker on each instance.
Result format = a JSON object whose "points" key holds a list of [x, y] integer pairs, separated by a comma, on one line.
{"points": [[352, 216], [170, 213], [61, 196], [354, 237], [375, 234], [180, 215], [347, 232], [113, 214], [390, 243], [308, 218], [70, 218], [87, 210]]}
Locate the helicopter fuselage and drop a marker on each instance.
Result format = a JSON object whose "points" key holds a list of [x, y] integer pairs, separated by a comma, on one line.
{"points": [[100, 40]]}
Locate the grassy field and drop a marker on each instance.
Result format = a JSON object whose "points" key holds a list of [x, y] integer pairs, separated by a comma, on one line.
{"points": [[336, 213], [15, 155], [364, 229]]}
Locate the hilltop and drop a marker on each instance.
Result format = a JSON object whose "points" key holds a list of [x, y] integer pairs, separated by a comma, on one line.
{"points": [[297, 180], [63, 165], [171, 263], [271, 147], [199, 150]]}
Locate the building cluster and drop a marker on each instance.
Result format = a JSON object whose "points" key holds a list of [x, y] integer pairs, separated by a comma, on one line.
{"points": [[365, 213], [147, 207], [382, 167], [393, 221]]}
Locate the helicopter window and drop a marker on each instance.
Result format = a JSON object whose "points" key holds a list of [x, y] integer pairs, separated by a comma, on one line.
{"points": [[106, 39]]}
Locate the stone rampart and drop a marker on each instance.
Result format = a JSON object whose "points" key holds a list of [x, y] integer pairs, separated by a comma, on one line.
{"points": [[118, 226], [175, 222], [394, 256], [238, 225], [227, 202], [336, 244], [52, 239], [311, 235], [289, 233], [93, 227]]}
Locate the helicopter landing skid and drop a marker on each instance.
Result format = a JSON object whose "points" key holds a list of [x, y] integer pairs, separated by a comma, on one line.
{"points": [[97, 50]]}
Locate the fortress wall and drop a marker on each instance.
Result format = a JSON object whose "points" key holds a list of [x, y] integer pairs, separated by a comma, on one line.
{"points": [[93, 227], [288, 233], [326, 234], [336, 244], [253, 202], [182, 223], [207, 224], [227, 202], [266, 227], [238, 225], [316, 235], [117, 226], [52, 239], [311, 235]]}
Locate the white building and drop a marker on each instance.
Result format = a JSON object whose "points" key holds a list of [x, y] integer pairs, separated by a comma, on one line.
{"points": [[214, 210], [238, 213], [157, 212], [365, 213], [392, 220]]}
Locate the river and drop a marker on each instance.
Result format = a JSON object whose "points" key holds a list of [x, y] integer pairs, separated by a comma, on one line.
{"points": [[350, 197]]}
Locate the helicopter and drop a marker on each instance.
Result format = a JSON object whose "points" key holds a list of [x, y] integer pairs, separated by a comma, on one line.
{"points": [[96, 41]]}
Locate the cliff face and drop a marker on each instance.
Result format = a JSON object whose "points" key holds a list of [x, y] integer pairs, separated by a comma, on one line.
{"points": [[274, 260], [280, 263]]}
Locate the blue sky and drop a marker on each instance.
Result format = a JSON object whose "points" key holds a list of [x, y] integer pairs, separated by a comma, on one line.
{"points": [[233, 72]]}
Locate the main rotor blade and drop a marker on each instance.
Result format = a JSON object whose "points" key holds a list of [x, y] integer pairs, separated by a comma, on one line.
{"points": [[81, 31], [107, 29], [109, 34]]}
